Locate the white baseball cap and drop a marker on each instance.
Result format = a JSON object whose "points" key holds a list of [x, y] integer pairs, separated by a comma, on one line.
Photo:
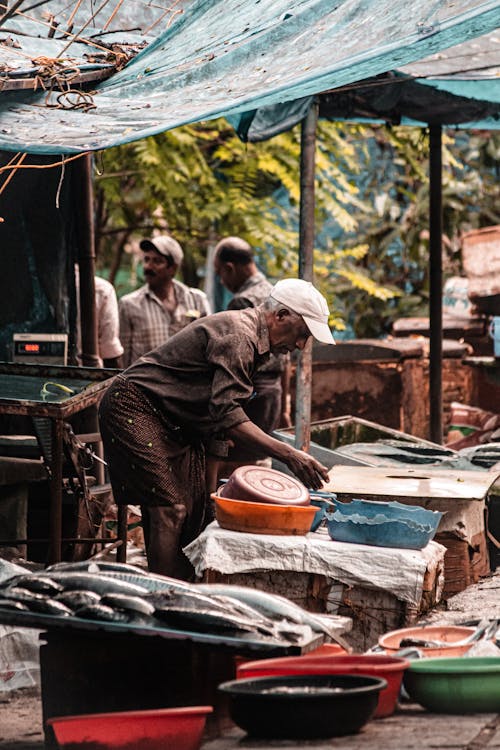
{"points": [[302, 297], [165, 245]]}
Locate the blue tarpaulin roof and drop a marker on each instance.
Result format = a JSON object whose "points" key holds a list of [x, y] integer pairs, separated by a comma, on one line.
{"points": [[226, 57], [457, 86]]}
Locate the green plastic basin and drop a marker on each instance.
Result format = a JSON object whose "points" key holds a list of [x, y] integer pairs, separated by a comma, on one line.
{"points": [[455, 686]]}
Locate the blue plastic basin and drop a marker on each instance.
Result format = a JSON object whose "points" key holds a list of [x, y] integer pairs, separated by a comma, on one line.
{"points": [[322, 501], [382, 524]]}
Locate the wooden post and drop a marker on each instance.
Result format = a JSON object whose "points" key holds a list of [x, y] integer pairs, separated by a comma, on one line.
{"points": [[83, 197], [306, 247], [435, 285]]}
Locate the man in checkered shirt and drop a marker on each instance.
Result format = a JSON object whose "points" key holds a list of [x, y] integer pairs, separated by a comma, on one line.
{"points": [[163, 306]]}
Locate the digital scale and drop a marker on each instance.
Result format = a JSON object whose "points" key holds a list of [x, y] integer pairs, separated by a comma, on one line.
{"points": [[35, 348]]}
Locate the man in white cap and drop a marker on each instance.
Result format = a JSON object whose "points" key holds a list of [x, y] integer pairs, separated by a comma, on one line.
{"points": [[170, 418], [163, 306]]}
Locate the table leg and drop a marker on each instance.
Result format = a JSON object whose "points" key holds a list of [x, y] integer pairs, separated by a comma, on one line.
{"points": [[56, 490], [122, 517]]}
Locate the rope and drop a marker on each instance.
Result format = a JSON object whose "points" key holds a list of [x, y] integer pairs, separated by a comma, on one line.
{"points": [[168, 10], [113, 14], [14, 168], [60, 163], [61, 180], [75, 36], [74, 99], [74, 12]]}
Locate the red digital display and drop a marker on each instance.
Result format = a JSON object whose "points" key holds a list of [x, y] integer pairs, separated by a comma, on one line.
{"points": [[34, 348]]}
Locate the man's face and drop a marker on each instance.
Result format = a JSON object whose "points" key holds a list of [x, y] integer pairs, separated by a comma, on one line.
{"points": [[287, 332], [157, 268]]}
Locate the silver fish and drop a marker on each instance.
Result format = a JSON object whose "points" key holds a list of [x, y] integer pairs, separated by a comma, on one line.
{"points": [[188, 599], [293, 632], [128, 603], [234, 612], [95, 566], [49, 607], [152, 581], [12, 604], [19, 594], [101, 612], [98, 582], [274, 606], [40, 584], [76, 599], [202, 619]]}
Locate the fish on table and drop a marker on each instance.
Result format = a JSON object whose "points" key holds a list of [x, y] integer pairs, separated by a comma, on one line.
{"points": [[117, 592]]}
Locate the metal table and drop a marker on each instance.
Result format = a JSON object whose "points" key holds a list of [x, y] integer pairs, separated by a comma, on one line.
{"points": [[88, 666], [22, 393]]}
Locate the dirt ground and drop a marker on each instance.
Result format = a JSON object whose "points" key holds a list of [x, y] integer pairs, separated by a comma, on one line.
{"points": [[21, 720], [411, 728]]}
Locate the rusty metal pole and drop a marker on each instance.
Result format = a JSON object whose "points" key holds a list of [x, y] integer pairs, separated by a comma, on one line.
{"points": [[82, 177], [435, 285], [306, 247]]}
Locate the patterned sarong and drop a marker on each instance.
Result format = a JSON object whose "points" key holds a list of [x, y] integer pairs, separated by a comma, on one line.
{"points": [[148, 467]]}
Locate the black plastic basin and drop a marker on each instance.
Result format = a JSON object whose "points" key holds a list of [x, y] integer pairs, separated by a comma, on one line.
{"points": [[303, 707]]}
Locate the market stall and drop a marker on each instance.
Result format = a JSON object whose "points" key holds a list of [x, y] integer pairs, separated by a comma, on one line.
{"points": [[379, 587]]}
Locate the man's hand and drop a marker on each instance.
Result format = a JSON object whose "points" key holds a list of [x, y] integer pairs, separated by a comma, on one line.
{"points": [[307, 469]]}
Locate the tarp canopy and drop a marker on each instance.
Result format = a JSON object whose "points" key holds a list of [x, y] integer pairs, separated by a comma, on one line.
{"points": [[221, 58], [459, 86]]}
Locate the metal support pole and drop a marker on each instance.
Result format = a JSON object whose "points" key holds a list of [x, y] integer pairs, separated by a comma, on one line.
{"points": [[306, 247], [435, 285], [56, 491], [82, 176]]}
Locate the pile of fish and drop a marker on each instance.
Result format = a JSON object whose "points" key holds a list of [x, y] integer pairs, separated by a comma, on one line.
{"points": [[120, 593]]}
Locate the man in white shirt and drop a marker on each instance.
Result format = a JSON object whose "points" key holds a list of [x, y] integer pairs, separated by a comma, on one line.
{"points": [[108, 342]]}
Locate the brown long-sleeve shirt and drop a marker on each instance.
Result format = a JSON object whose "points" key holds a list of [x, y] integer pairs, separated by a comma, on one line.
{"points": [[202, 377]]}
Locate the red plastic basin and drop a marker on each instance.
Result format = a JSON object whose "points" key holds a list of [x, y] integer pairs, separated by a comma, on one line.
{"points": [[157, 729], [390, 668]]}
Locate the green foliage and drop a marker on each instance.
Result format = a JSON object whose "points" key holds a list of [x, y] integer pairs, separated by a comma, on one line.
{"points": [[201, 182]]}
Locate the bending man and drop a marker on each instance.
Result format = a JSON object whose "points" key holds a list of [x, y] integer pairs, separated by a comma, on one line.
{"points": [[181, 405]]}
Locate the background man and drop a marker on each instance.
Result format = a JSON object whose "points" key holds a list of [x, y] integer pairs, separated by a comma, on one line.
{"points": [[109, 347], [163, 306], [183, 403], [234, 263]]}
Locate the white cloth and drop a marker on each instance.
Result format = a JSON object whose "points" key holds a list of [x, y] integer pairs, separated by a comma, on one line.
{"points": [[399, 571]]}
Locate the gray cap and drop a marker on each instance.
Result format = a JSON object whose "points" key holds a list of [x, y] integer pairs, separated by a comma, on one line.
{"points": [[165, 245]]}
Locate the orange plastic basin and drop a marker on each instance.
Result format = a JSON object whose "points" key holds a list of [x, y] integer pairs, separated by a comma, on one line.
{"points": [[390, 668], [262, 518], [157, 729], [447, 633]]}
